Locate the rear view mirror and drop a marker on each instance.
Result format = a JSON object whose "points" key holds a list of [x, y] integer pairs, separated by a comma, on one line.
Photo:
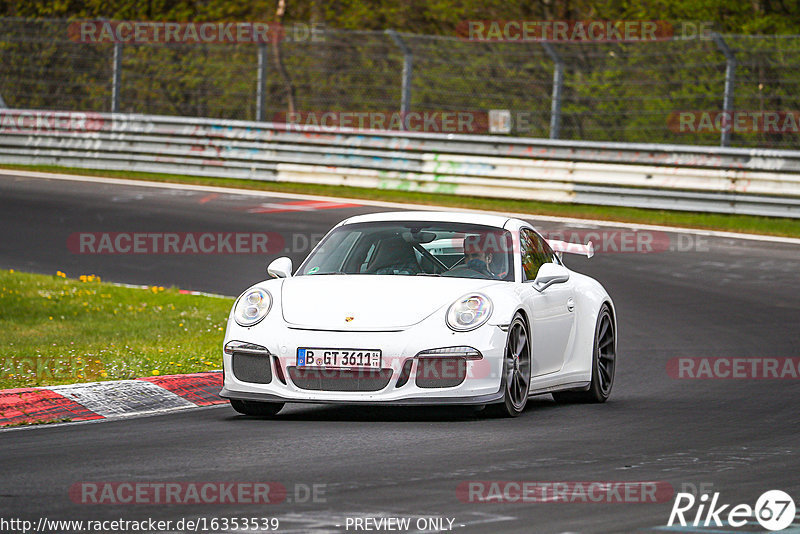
{"points": [[549, 274], [280, 268]]}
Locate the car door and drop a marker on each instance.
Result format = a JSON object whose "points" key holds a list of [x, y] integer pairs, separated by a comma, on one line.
{"points": [[553, 321]]}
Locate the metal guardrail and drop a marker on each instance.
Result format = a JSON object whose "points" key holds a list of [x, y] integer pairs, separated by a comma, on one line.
{"points": [[693, 178]]}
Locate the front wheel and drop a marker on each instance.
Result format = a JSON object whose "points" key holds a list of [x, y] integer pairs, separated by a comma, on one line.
{"points": [[516, 370], [256, 408], [604, 363]]}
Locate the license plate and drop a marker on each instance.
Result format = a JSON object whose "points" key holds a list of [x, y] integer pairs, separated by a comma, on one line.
{"points": [[338, 358]]}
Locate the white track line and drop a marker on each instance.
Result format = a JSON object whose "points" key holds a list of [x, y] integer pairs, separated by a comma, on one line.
{"points": [[398, 205]]}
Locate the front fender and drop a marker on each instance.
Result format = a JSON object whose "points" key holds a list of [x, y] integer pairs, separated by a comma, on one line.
{"points": [[507, 302]]}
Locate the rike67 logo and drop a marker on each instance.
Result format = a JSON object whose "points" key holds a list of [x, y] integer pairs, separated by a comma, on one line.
{"points": [[774, 510]]}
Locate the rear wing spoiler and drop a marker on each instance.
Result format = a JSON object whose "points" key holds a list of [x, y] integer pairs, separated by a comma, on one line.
{"points": [[571, 248]]}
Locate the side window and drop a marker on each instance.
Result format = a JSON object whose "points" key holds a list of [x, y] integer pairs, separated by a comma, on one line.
{"points": [[535, 253]]}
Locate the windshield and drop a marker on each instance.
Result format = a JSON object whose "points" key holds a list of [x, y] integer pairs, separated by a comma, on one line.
{"points": [[414, 249]]}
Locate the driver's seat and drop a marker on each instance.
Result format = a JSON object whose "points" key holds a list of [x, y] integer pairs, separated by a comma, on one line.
{"points": [[394, 256]]}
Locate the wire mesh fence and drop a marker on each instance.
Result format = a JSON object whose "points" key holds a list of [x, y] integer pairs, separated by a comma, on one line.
{"points": [[667, 91]]}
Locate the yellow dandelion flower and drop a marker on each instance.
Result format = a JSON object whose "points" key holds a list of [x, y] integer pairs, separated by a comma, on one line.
{"points": [[156, 372]]}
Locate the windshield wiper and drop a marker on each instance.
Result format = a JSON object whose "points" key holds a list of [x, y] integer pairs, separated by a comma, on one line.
{"points": [[428, 274]]}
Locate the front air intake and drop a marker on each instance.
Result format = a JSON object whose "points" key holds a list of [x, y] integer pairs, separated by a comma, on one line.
{"points": [[440, 372], [250, 362], [340, 379], [405, 374]]}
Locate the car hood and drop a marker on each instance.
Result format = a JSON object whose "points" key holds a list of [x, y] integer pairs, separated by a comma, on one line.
{"points": [[369, 302]]}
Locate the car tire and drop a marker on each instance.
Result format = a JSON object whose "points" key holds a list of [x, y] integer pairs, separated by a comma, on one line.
{"points": [[604, 363], [256, 408], [516, 380]]}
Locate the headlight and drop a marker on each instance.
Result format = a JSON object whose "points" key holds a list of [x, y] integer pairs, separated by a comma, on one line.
{"points": [[469, 312], [252, 306]]}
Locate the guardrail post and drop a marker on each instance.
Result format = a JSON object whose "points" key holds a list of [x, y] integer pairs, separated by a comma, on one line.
{"points": [[558, 82], [116, 77], [408, 65], [727, 103], [261, 93]]}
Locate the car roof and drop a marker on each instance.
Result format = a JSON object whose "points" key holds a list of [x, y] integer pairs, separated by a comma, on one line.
{"points": [[497, 221]]}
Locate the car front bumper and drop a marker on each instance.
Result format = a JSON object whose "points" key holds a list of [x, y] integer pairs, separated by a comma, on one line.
{"points": [[273, 375]]}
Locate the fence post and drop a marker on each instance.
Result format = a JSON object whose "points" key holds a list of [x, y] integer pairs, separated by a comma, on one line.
{"points": [[727, 103], [408, 65], [558, 82], [116, 77], [261, 93]]}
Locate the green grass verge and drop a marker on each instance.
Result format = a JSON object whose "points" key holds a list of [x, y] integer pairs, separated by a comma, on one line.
{"points": [[711, 221], [36, 422], [56, 330]]}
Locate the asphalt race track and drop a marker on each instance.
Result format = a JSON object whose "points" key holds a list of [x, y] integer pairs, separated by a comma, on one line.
{"points": [[707, 297]]}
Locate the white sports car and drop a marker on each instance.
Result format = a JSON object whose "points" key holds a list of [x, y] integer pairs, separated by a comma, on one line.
{"points": [[422, 308]]}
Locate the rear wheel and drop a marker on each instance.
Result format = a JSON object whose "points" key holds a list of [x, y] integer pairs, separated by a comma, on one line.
{"points": [[604, 361], [516, 370], [256, 408]]}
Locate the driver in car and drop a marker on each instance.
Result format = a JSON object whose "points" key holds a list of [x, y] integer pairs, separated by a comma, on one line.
{"points": [[478, 255]]}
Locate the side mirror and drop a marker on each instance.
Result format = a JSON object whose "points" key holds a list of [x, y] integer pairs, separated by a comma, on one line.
{"points": [[280, 268], [549, 274]]}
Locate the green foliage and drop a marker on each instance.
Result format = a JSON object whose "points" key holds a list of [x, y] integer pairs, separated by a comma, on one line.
{"points": [[612, 91]]}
